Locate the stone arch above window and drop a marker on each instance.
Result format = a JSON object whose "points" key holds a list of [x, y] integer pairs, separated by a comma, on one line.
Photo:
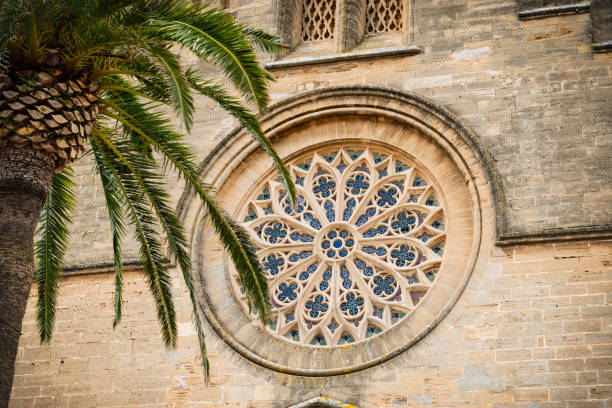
{"points": [[416, 145]]}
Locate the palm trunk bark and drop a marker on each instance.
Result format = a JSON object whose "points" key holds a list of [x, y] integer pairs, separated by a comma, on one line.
{"points": [[25, 178]]}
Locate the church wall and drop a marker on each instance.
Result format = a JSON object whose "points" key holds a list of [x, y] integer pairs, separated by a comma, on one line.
{"points": [[532, 327]]}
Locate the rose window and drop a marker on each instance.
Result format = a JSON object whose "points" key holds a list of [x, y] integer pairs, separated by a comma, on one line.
{"points": [[358, 251]]}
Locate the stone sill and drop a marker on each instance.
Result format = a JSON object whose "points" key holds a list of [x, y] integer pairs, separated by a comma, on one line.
{"points": [[554, 11], [605, 46], [586, 233], [349, 56]]}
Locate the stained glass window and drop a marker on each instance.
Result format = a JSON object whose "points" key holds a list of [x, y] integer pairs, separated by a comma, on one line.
{"points": [[356, 254]]}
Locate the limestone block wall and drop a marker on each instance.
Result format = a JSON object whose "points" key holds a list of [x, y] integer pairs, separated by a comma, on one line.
{"points": [[532, 329], [534, 91]]}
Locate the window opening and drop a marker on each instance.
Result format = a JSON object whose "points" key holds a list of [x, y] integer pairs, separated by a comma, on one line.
{"points": [[383, 16], [318, 20]]}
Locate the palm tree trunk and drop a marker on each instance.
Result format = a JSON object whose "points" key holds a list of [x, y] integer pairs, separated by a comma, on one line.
{"points": [[25, 178]]}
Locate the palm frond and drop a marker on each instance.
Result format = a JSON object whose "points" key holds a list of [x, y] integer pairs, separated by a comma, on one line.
{"points": [[177, 83], [266, 42], [114, 198], [112, 154], [215, 36], [51, 247], [173, 231], [232, 105], [128, 47], [156, 131]]}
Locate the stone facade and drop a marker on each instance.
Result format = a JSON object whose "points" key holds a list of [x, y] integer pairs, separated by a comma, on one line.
{"points": [[532, 328]]}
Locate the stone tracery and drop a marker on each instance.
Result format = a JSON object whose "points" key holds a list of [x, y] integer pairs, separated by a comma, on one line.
{"points": [[357, 253]]}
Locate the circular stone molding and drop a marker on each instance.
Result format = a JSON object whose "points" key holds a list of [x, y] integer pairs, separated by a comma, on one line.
{"points": [[385, 235]]}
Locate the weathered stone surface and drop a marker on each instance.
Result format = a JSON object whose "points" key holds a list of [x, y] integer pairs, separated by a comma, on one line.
{"points": [[532, 327]]}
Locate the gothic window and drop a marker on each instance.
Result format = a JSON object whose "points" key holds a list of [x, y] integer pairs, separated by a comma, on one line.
{"points": [[383, 16], [356, 254], [318, 20]]}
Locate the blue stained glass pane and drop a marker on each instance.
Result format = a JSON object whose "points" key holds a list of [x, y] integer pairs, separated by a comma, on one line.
{"points": [[424, 237], [431, 274], [378, 157], [250, 216], [342, 166], [370, 233], [355, 154], [293, 335], [265, 195], [332, 326], [287, 292], [439, 224], [329, 208], [386, 196], [400, 166], [419, 182], [358, 184], [318, 340], [330, 157]]}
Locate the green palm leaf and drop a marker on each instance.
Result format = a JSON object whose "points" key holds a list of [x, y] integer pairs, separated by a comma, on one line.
{"points": [[215, 36], [232, 105], [51, 247], [129, 178], [128, 48], [114, 198], [155, 130]]}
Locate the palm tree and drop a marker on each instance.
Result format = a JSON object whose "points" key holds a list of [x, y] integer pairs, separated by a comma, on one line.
{"points": [[95, 77]]}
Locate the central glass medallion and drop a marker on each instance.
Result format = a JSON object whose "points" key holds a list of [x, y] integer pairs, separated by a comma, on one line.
{"points": [[358, 251], [336, 241]]}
